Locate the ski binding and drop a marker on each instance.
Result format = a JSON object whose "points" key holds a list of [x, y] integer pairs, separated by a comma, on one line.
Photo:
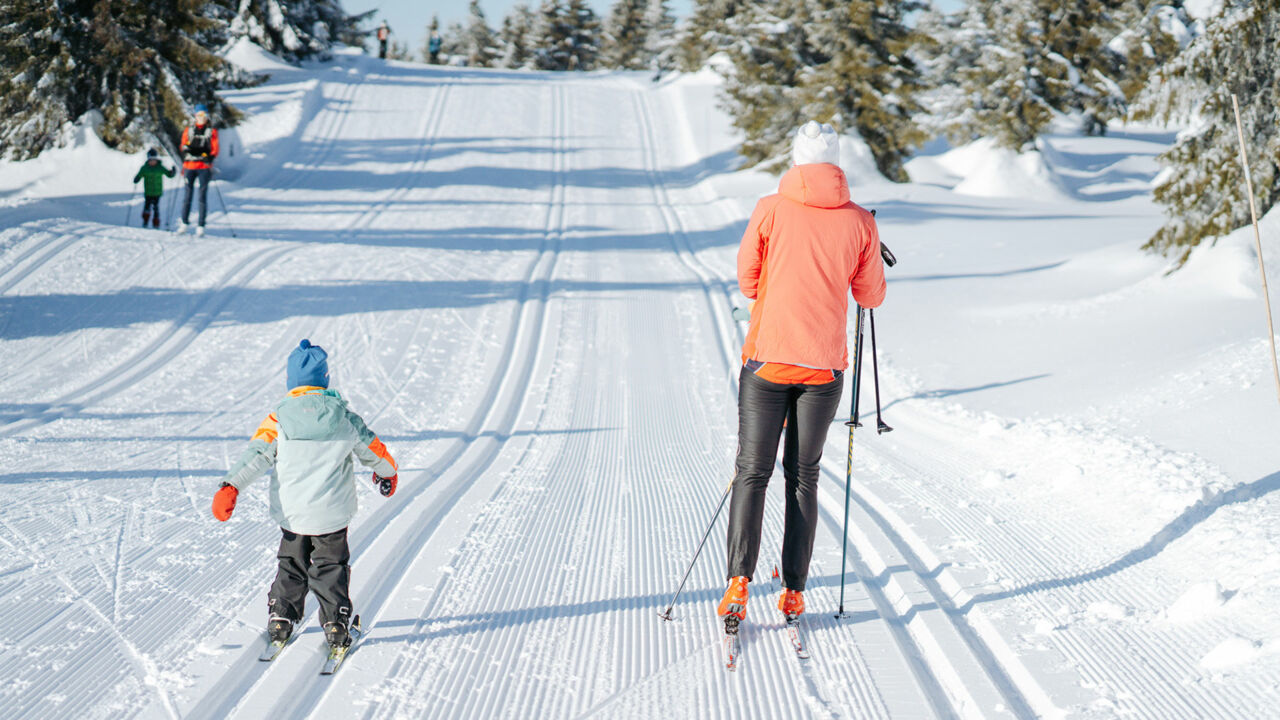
{"points": [[337, 655]]}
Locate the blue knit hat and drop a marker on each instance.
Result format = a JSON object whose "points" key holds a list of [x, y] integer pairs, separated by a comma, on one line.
{"points": [[308, 365], [202, 109]]}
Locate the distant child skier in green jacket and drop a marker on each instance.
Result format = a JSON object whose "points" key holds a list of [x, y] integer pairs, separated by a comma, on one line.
{"points": [[307, 443], [152, 174]]}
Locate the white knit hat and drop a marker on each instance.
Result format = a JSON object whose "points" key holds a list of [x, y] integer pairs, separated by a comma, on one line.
{"points": [[816, 144]]}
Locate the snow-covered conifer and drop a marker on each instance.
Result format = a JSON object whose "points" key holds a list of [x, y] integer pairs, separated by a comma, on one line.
{"points": [[624, 36], [1203, 188], [480, 43], [660, 40], [863, 77], [584, 35], [516, 38], [762, 88], [706, 32], [136, 62], [294, 30]]}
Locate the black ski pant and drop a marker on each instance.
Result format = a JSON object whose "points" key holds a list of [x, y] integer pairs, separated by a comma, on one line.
{"points": [[763, 407], [151, 210], [203, 175], [318, 562]]}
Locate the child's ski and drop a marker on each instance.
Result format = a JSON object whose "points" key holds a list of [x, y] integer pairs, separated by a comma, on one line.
{"points": [[273, 649], [337, 655]]}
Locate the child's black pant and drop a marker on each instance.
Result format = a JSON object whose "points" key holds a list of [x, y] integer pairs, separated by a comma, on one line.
{"points": [[318, 562], [151, 209]]}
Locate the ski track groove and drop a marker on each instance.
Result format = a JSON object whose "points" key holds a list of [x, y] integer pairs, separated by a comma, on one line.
{"points": [[409, 658]]}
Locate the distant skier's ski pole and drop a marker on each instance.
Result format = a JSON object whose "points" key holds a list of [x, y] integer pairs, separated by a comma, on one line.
{"points": [[848, 466], [666, 614], [128, 209], [226, 215], [1257, 239]]}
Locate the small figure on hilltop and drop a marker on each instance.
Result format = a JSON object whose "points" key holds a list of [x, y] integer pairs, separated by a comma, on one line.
{"points": [[199, 149], [152, 174], [384, 33], [805, 249], [307, 443], [433, 47]]}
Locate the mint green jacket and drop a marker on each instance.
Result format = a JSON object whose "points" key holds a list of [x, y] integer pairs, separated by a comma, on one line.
{"points": [[308, 444]]}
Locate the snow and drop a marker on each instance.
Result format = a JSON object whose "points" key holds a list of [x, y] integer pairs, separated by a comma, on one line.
{"points": [[1074, 516]]}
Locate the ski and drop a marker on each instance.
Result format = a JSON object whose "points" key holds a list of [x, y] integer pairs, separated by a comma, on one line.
{"points": [[732, 643], [272, 649], [796, 633], [337, 655]]}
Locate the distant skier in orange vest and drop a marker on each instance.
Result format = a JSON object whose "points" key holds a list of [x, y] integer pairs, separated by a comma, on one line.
{"points": [[199, 149], [384, 32]]}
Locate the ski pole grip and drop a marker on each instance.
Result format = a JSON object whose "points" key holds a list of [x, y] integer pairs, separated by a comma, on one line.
{"points": [[887, 255]]}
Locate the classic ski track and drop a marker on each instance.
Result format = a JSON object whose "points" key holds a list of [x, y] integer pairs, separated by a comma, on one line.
{"points": [[553, 234], [54, 242], [1014, 683], [380, 521], [542, 550]]}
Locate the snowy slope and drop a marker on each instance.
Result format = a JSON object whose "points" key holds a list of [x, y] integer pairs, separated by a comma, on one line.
{"points": [[525, 284]]}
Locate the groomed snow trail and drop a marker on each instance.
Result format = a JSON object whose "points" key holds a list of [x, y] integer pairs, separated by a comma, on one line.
{"points": [[527, 294]]}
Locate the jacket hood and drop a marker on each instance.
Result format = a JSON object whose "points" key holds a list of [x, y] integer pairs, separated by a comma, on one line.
{"points": [[820, 185]]}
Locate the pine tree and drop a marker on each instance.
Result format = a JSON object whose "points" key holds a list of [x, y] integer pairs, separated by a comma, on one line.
{"points": [[1031, 59], [707, 32], [136, 62], [295, 30], [481, 45], [516, 38], [1203, 188], [660, 41], [761, 91], [625, 35], [550, 36], [584, 35], [1155, 32], [863, 76]]}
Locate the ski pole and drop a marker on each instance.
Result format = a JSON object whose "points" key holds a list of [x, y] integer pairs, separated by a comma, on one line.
{"points": [[226, 215], [848, 466], [666, 615], [881, 425], [128, 209]]}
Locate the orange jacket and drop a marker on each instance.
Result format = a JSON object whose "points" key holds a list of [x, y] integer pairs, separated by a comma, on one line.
{"points": [[202, 160], [803, 252]]}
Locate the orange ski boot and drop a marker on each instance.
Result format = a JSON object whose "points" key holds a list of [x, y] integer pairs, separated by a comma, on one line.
{"points": [[734, 602], [791, 603]]}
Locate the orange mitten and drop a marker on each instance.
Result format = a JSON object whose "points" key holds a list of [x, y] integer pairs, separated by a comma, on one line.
{"points": [[224, 501]]}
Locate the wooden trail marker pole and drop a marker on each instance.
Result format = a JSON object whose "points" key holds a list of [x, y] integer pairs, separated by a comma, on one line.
{"points": [[1257, 239]]}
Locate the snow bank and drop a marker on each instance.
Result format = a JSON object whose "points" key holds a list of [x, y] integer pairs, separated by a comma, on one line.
{"points": [[83, 165], [986, 170], [253, 58]]}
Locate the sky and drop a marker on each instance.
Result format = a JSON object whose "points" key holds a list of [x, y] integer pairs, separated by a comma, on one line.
{"points": [[408, 18]]}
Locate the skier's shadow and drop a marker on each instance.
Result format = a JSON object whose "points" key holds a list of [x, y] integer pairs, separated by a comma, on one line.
{"points": [[1186, 521]]}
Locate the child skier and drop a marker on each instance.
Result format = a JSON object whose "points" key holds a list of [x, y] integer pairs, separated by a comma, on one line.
{"points": [[152, 174], [308, 442]]}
